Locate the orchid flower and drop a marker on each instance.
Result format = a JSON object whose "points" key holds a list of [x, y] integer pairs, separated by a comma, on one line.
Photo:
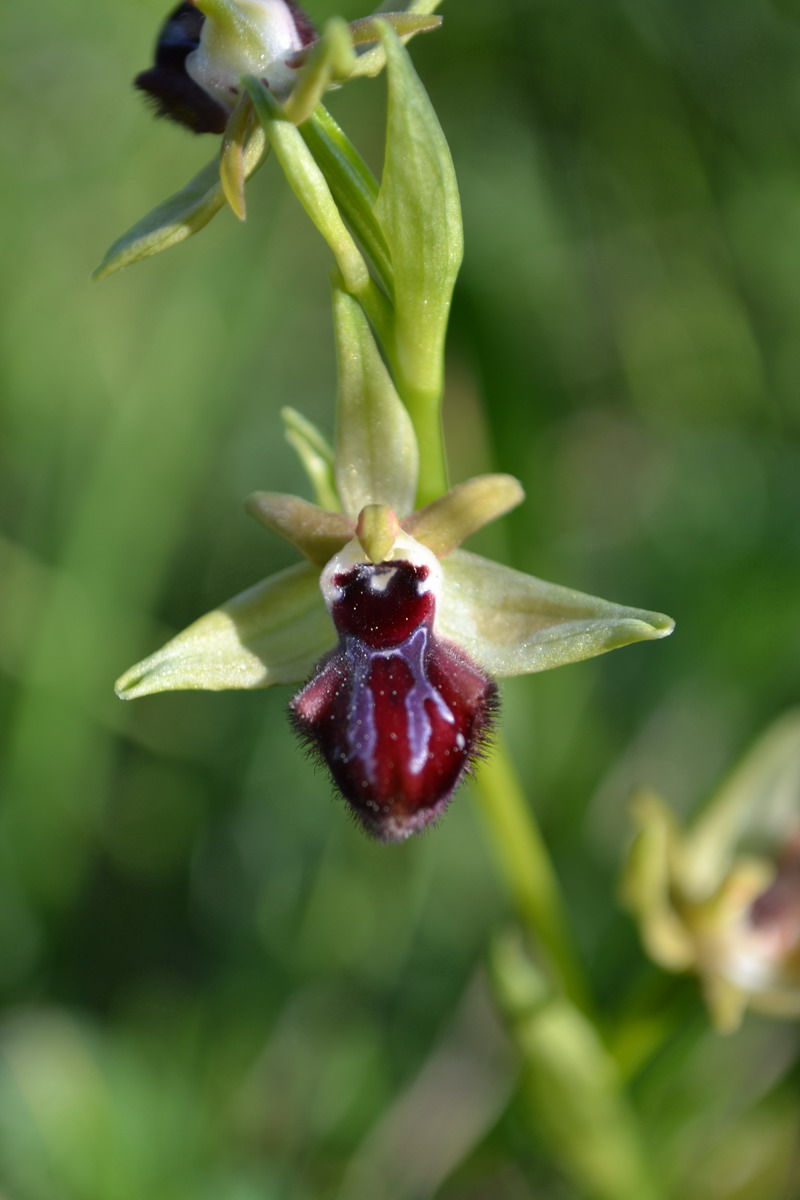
{"points": [[723, 898], [204, 51], [398, 633]]}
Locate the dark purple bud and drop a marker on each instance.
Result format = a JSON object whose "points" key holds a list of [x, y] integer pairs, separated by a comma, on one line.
{"points": [[397, 713]]}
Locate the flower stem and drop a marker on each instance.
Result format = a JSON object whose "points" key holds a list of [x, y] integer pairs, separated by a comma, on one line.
{"points": [[425, 411], [660, 1006], [529, 872]]}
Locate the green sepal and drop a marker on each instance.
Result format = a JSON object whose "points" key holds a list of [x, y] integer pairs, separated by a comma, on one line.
{"points": [[181, 215], [232, 155], [317, 533], [273, 633], [515, 624], [372, 61], [447, 522], [376, 450], [315, 454]]}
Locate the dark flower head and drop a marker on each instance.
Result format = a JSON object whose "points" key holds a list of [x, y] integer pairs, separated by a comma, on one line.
{"points": [[181, 84]]}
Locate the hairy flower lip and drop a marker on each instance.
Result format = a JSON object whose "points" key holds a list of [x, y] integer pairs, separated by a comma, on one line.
{"points": [[167, 84], [396, 713]]}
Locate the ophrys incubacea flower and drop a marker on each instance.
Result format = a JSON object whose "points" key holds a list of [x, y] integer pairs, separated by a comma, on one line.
{"points": [[402, 632]]}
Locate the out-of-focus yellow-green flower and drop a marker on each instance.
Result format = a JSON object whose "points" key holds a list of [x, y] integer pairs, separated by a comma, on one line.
{"points": [[723, 898]]}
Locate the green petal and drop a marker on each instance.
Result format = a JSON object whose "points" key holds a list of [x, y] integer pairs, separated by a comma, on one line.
{"points": [[232, 172], [514, 624], [273, 633], [317, 533], [373, 61], [445, 523], [569, 1083], [315, 454], [376, 450], [183, 214]]}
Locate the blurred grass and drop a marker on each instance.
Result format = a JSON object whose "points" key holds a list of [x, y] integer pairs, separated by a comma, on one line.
{"points": [[212, 985]]}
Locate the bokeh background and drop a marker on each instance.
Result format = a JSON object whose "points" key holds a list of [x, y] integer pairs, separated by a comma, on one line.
{"points": [[212, 985]]}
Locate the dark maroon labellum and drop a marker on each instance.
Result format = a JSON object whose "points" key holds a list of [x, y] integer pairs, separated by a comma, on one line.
{"points": [[397, 713], [172, 91]]}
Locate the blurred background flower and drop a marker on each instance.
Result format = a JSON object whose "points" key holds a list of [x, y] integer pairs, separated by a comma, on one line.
{"points": [[724, 897], [183, 914]]}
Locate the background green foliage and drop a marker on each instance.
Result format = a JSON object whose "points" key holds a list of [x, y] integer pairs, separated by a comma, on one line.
{"points": [[212, 984]]}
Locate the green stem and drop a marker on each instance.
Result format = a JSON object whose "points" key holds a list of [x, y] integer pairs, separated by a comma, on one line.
{"points": [[660, 1005], [569, 1084], [425, 410], [528, 870]]}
